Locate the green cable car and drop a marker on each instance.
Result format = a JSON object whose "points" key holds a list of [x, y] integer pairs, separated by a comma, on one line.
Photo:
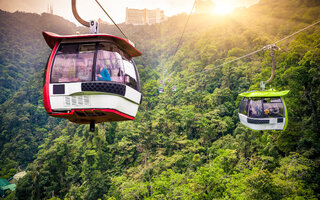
{"points": [[160, 90], [264, 110]]}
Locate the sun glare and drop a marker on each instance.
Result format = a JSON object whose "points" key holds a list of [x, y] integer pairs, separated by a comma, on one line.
{"points": [[223, 8]]}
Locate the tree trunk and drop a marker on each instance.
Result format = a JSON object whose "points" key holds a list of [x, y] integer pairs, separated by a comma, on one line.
{"points": [[313, 108]]}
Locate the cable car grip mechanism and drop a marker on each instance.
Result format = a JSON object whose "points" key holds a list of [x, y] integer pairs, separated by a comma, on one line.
{"points": [[271, 48], [93, 24]]}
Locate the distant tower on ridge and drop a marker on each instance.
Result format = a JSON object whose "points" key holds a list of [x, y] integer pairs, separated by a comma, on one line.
{"points": [[50, 9]]}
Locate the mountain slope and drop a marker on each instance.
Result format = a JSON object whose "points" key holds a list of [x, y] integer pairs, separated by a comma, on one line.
{"points": [[186, 144]]}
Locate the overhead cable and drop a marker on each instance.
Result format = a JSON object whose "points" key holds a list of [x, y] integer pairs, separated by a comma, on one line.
{"points": [[184, 29], [295, 33], [254, 52], [111, 19]]}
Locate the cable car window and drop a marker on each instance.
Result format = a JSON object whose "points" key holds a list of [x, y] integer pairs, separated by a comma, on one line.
{"points": [[255, 108], [273, 107], [130, 74], [244, 106], [73, 63], [109, 65]]}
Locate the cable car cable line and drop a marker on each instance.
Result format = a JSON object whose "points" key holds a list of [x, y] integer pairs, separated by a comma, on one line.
{"points": [[295, 33], [254, 52], [161, 89], [184, 29], [111, 19]]}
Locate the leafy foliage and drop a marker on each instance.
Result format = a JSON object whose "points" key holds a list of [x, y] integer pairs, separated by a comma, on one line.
{"points": [[183, 144]]}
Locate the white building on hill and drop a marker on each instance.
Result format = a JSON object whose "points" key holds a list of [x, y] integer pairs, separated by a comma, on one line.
{"points": [[144, 16]]}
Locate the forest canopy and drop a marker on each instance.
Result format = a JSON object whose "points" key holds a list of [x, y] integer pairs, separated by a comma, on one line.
{"points": [[186, 143]]}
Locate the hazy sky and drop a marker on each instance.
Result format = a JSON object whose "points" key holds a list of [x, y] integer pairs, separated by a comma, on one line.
{"points": [[88, 9]]}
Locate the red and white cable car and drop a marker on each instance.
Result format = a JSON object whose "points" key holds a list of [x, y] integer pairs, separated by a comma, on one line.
{"points": [[91, 78]]}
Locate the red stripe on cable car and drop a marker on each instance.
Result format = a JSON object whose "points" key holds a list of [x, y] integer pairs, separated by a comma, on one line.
{"points": [[51, 38], [62, 114], [46, 94], [102, 110], [118, 113]]}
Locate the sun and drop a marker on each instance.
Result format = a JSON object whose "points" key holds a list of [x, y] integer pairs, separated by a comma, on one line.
{"points": [[223, 8]]}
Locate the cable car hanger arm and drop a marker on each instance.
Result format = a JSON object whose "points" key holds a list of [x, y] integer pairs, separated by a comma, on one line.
{"points": [[271, 47], [76, 15], [93, 24]]}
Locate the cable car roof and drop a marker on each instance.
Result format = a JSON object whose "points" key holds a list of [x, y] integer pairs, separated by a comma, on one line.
{"points": [[267, 93], [125, 44]]}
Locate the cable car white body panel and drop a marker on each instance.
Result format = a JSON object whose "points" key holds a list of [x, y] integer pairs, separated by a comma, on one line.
{"points": [[75, 98], [94, 102], [133, 95], [272, 125]]}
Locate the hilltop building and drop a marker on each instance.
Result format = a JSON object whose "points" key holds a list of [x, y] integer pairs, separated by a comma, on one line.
{"points": [[144, 16], [204, 6]]}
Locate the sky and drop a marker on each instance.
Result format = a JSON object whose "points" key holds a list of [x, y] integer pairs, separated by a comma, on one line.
{"points": [[88, 9]]}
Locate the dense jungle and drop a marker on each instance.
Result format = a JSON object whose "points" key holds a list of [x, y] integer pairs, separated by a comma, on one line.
{"points": [[186, 143]]}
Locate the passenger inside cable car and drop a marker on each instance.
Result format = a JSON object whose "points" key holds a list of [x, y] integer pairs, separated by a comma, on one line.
{"points": [[255, 108], [83, 70], [74, 63], [109, 63], [102, 73], [262, 108], [273, 107]]}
